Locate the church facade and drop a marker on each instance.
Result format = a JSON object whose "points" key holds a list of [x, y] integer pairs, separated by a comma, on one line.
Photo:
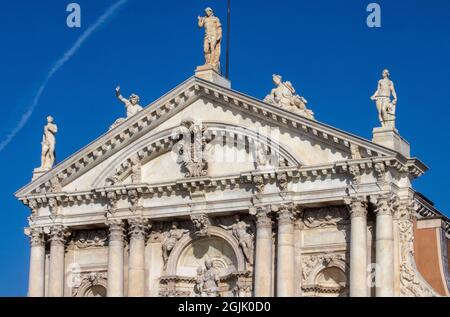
{"points": [[208, 192]]}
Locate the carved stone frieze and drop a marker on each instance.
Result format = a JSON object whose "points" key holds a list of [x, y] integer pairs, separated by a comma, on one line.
{"points": [[324, 217], [85, 239]]}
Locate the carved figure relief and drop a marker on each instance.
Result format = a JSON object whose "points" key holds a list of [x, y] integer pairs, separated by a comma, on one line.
{"points": [[90, 239], [324, 217], [246, 240]]}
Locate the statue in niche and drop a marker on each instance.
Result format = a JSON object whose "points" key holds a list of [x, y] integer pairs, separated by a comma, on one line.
{"points": [[48, 156], [170, 239], [239, 230], [285, 97], [385, 106], [131, 104], [207, 281], [213, 38]]}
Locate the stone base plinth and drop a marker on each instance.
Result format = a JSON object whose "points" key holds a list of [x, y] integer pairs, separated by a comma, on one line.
{"points": [[391, 139], [210, 73], [38, 172]]}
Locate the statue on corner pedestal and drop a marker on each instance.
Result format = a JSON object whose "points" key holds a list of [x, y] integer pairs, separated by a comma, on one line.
{"points": [[48, 145], [213, 38], [385, 106]]}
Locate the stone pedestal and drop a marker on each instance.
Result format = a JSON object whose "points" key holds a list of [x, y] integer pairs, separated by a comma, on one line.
{"points": [[263, 255], [116, 259], [391, 139], [36, 284], [209, 73], [38, 172], [286, 253], [136, 265]]}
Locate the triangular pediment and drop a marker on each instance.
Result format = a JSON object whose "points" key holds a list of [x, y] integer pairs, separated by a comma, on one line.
{"points": [[299, 141]]}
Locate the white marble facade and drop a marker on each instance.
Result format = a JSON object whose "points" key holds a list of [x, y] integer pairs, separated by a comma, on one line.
{"points": [[209, 192]]}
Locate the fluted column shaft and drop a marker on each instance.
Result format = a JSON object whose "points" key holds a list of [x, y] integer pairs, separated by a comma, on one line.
{"points": [[36, 282], [286, 253], [263, 254], [116, 259], [136, 264], [58, 236], [358, 248], [385, 207]]}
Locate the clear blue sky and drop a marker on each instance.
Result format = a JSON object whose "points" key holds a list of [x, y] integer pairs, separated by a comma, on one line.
{"points": [[149, 47]]}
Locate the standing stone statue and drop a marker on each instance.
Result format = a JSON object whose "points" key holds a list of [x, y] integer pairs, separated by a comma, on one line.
{"points": [[49, 144], [285, 97], [131, 104], [239, 230], [207, 281], [213, 38], [171, 239], [385, 106]]}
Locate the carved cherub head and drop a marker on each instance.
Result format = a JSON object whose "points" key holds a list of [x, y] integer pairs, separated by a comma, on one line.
{"points": [[134, 99]]}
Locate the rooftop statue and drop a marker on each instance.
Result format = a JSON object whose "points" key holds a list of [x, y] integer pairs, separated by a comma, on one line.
{"points": [[131, 104], [385, 106], [285, 97], [49, 144], [213, 38]]}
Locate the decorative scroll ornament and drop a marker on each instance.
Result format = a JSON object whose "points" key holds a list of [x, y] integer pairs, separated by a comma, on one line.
{"points": [[201, 225], [357, 206], [36, 235], [58, 234], [138, 228], [262, 215], [324, 217], [90, 239], [191, 149], [411, 282]]}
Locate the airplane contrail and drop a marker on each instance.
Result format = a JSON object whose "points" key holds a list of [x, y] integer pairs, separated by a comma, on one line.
{"points": [[60, 63]]}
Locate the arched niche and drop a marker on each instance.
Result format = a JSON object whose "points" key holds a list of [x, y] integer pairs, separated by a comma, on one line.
{"points": [[92, 289], [191, 252], [327, 279]]}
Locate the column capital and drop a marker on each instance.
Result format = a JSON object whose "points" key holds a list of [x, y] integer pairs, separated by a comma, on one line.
{"points": [[386, 204], [357, 206], [58, 234], [36, 236], [116, 229], [262, 215], [138, 228], [287, 213]]}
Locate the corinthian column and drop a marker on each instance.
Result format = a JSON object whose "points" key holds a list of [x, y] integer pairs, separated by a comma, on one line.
{"points": [[385, 207], [115, 258], [36, 282], [286, 252], [358, 247], [136, 266], [263, 254], [58, 236]]}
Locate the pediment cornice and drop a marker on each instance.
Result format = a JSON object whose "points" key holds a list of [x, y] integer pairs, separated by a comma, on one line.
{"points": [[173, 102]]}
